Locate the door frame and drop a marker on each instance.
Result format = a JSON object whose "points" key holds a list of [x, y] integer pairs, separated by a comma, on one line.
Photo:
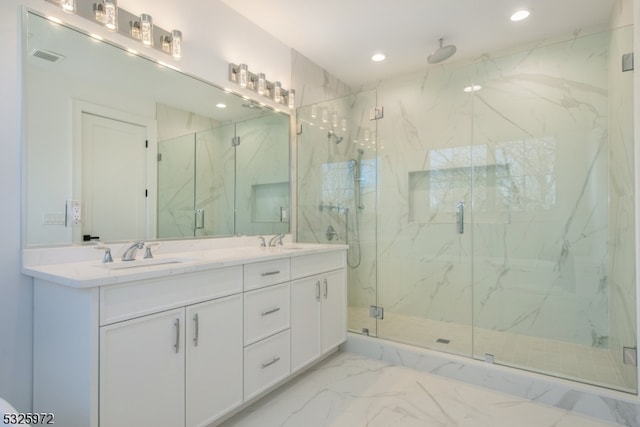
{"points": [[80, 107]]}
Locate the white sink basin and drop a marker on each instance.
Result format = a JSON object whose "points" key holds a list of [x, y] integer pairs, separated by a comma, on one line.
{"points": [[121, 265]]}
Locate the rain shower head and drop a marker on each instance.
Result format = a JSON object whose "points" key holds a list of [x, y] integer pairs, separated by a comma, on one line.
{"points": [[442, 53], [332, 134]]}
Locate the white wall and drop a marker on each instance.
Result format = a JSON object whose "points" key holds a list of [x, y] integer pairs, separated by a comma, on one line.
{"points": [[214, 35]]}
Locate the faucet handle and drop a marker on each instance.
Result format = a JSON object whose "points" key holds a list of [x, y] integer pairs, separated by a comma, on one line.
{"points": [[147, 249], [263, 243], [107, 253]]}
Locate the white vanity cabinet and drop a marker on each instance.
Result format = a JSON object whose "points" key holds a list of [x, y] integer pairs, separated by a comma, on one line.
{"points": [[318, 301], [184, 348], [165, 368]]}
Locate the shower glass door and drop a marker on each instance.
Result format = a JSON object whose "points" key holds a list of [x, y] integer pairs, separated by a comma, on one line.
{"points": [[337, 173], [425, 188], [554, 276]]}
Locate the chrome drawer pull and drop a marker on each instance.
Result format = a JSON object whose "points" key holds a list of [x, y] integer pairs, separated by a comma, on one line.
{"points": [[268, 312], [177, 344], [197, 321], [270, 273], [318, 290], [275, 359]]}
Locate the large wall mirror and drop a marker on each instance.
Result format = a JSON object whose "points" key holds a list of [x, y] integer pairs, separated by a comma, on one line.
{"points": [[119, 148]]}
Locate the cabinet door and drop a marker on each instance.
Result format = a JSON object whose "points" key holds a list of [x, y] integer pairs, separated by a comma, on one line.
{"points": [[142, 371], [334, 328], [305, 321], [214, 359]]}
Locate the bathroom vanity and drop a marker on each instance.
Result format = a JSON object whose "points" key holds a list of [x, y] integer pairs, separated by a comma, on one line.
{"points": [[184, 339]]}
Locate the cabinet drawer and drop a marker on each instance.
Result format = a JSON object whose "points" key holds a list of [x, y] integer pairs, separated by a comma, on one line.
{"points": [[266, 311], [134, 299], [265, 273], [266, 363], [308, 265]]}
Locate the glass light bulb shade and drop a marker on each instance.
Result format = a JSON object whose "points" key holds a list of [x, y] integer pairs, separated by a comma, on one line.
{"points": [[262, 83], [292, 99], [68, 5], [243, 72], [343, 124], [146, 29], [334, 120], [98, 12], [176, 44], [325, 116], [314, 111], [134, 29], [277, 92], [110, 15]]}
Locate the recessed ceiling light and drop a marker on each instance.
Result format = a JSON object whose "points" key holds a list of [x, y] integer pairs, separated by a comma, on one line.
{"points": [[378, 57], [221, 105], [520, 15]]}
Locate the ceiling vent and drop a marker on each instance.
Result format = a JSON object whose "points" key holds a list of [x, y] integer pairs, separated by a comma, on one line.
{"points": [[47, 55]]}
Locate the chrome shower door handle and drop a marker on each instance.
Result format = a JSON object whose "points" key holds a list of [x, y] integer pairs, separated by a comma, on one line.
{"points": [[460, 217], [199, 213]]}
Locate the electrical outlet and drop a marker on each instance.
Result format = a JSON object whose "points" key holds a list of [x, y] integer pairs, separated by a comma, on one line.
{"points": [[74, 212]]}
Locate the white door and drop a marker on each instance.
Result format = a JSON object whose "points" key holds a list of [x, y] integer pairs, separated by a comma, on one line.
{"points": [[114, 172], [334, 328], [305, 321], [142, 371], [214, 359]]}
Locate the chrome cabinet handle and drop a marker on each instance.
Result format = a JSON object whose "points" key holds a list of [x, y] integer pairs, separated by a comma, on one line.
{"points": [[201, 213], [177, 344], [270, 273], [271, 362], [326, 288], [460, 217], [197, 334], [268, 312], [318, 290]]}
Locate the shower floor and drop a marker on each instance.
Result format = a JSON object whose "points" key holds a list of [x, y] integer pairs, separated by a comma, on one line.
{"points": [[572, 361]]}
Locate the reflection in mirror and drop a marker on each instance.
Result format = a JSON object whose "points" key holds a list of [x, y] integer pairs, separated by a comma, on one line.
{"points": [[120, 148]]}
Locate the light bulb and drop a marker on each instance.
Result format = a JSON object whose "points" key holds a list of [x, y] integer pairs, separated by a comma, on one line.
{"points": [[68, 5], [277, 92], [292, 99], [262, 83], [176, 44], [146, 29], [244, 75], [111, 15]]}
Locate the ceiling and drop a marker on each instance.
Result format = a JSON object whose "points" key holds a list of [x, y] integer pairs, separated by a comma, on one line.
{"points": [[342, 35]]}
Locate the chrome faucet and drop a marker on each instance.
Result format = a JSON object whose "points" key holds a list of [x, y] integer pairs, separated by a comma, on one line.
{"points": [[276, 240], [130, 253]]}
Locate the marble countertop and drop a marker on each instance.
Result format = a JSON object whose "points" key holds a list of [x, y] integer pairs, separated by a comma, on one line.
{"points": [[87, 274]]}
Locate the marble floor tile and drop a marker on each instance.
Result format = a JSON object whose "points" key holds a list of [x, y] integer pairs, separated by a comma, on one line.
{"points": [[348, 390]]}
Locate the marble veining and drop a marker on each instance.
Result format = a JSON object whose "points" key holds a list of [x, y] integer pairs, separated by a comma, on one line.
{"points": [[349, 390]]}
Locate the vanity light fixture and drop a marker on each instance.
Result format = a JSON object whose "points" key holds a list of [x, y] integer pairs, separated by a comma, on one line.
{"points": [[141, 28], [240, 74], [520, 15]]}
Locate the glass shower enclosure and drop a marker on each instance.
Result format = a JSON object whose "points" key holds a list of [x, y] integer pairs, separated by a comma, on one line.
{"points": [[490, 212]]}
